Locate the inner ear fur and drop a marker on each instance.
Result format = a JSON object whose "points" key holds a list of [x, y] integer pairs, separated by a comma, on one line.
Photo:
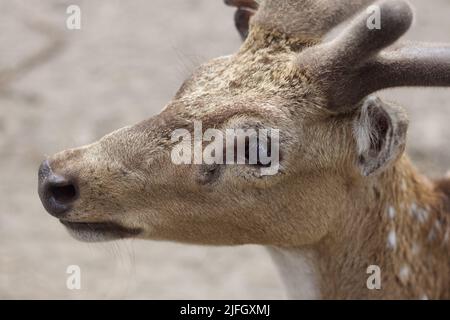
{"points": [[380, 132]]}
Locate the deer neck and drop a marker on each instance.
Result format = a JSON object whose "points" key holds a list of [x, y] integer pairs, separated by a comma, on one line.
{"points": [[395, 222]]}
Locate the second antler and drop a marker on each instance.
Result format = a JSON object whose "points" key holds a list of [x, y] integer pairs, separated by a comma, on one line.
{"points": [[361, 60]]}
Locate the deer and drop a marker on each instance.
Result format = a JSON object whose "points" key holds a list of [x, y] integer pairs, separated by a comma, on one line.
{"points": [[345, 197]]}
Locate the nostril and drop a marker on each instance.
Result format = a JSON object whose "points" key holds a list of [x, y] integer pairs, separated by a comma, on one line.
{"points": [[64, 194], [57, 192]]}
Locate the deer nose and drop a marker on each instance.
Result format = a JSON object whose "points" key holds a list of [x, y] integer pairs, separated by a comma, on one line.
{"points": [[57, 193]]}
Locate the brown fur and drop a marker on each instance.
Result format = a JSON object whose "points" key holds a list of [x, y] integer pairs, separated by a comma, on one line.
{"points": [[342, 172]]}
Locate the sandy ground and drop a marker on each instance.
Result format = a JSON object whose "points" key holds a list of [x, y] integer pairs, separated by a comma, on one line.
{"points": [[123, 66]]}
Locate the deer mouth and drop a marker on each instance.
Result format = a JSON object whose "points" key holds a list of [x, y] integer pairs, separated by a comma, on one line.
{"points": [[99, 231]]}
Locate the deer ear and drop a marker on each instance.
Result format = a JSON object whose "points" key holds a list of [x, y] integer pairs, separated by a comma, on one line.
{"points": [[380, 132]]}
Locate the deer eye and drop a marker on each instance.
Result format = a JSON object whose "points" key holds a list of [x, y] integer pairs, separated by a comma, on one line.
{"points": [[260, 150]]}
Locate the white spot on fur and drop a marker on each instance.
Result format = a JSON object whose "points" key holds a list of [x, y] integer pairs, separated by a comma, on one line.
{"points": [[418, 213], [434, 231], [404, 186], [437, 225], [446, 236], [413, 208], [391, 212], [392, 239], [404, 273], [432, 235], [424, 297], [415, 249]]}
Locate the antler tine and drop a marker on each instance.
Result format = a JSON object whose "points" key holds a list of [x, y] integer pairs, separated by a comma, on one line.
{"points": [[305, 20], [411, 64], [358, 41]]}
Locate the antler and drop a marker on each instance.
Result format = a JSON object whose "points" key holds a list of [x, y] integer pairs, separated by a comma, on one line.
{"points": [[354, 64], [245, 10]]}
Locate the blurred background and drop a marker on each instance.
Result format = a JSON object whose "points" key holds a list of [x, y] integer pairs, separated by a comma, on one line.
{"points": [[63, 88]]}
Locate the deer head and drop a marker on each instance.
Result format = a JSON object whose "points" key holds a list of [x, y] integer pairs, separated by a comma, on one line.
{"points": [[335, 137]]}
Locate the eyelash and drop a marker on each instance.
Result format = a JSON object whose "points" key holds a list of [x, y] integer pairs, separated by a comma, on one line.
{"points": [[210, 173]]}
